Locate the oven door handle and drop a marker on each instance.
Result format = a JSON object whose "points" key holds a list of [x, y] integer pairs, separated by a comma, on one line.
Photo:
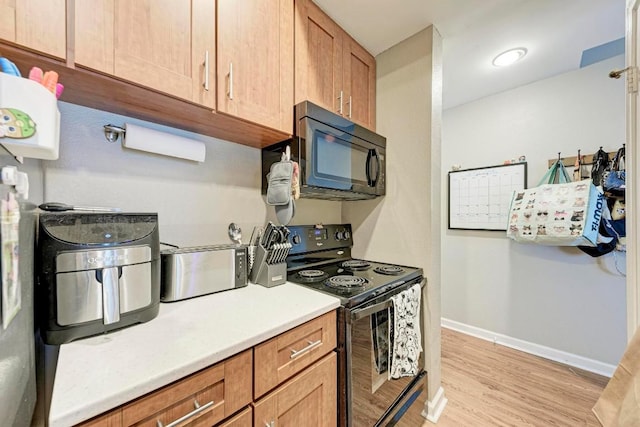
{"points": [[367, 311]]}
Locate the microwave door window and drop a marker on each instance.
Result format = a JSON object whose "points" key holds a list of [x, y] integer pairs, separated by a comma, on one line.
{"points": [[339, 163]]}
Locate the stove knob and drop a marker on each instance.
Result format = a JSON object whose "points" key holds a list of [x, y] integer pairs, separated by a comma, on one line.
{"points": [[347, 235], [296, 239], [339, 235]]}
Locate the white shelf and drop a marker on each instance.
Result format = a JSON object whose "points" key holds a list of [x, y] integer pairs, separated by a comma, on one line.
{"points": [[41, 106]]}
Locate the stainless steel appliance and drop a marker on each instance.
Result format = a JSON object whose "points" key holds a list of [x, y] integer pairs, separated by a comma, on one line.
{"points": [[17, 349], [195, 271], [321, 259], [339, 160], [98, 272]]}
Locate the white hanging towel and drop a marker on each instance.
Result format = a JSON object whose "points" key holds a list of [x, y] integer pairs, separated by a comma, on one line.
{"points": [[404, 330]]}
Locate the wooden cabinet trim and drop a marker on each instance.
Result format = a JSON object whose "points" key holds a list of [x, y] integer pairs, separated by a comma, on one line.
{"points": [[272, 362]]}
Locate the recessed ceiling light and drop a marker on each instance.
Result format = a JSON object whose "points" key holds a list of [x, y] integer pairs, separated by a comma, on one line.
{"points": [[509, 57]]}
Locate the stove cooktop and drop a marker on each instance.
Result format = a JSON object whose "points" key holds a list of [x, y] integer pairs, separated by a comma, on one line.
{"points": [[354, 280]]}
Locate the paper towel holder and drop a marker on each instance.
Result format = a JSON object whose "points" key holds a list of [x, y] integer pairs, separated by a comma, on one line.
{"points": [[113, 132]]}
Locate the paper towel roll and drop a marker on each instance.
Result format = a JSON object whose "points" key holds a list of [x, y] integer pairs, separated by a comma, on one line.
{"points": [[153, 141]]}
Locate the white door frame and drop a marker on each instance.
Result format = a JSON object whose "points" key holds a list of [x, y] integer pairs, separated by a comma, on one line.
{"points": [[632, 162]]}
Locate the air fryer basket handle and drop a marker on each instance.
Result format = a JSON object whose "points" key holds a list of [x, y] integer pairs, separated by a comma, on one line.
{"points": [[110, 296]]}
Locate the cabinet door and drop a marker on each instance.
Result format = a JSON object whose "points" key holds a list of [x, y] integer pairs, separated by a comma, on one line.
{"points": [[255, 61], [359, 82], [36, 24], [308, 400], [318, 58], [164, 44], [94, 34]]}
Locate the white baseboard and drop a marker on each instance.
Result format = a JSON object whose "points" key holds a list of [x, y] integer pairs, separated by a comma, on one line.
{"points": [[435, 406], [532, 348]]}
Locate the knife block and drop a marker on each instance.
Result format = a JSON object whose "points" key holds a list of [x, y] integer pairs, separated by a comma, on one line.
{"points": [[264, 274]]}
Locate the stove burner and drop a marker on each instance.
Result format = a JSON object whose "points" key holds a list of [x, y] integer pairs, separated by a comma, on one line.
{"points": [[312, 275], [355, 264], [346, 282], [391, 270]]}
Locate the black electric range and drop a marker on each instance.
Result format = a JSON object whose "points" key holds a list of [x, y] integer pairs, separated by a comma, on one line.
{"points": [[320, 258]]}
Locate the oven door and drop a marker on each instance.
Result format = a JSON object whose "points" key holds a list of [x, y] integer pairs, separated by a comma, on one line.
{"points": [[339, 160], [372, 398]]}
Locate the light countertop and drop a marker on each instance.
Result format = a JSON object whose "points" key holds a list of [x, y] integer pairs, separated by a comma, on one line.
{"points": [[100, 373]]}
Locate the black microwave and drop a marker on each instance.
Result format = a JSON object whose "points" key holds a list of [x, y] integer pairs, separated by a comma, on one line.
{"points": [[339, 160]]}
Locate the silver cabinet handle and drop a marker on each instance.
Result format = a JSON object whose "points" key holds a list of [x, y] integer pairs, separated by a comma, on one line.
{"points": [[189, 415], [298, 353], [271, 424], [340, 98], [110, 296], [230, 92], [349, 106], [206, 71]]}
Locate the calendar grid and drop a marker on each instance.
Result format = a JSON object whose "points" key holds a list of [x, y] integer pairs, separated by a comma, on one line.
{"points": [[479, 198]]}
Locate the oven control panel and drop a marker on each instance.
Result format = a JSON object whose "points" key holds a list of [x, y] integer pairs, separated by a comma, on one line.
{"points": [[310, 238]]}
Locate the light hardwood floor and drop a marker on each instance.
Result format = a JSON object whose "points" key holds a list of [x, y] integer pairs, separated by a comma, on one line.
{"points": [[492, 385]]}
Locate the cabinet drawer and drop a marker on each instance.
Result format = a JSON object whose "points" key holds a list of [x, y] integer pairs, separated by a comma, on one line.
{"points": [[226, 384], [287, 354]]}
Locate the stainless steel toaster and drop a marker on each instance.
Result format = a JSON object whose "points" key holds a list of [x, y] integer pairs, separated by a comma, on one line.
{"points": [[193, 271]]}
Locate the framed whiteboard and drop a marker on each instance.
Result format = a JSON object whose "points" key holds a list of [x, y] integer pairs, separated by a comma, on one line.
{"points": [[479, 198]]}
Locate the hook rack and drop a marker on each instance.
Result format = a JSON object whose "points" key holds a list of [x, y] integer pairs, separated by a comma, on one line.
{"points": [[571, 161]]}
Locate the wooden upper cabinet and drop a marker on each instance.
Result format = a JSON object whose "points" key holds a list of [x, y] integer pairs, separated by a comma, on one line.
{"points": [[95, 34], [359, 82], [308, 400], [332, 70], [166, 45], [318, 47], [255, 61], [35, 24]]}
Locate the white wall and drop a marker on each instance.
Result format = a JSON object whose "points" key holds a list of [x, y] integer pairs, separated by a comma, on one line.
{"points": [[555, 297], [404, 226], [195, 201]]}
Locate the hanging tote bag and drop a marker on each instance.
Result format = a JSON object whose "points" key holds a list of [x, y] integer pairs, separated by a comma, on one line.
{"points": [[559, 214]]}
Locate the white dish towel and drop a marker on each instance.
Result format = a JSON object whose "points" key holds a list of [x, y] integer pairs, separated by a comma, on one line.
{"points": [[404, 330]]}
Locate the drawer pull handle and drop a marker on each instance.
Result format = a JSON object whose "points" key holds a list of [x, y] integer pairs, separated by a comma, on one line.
{"points": [[271, 424], [312, 345], [198, 409]]}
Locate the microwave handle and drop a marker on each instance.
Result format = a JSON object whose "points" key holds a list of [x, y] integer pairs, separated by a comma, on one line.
{"points": [[373, 154]]}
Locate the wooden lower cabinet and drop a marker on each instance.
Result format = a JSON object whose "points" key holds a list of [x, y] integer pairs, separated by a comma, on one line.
{"points": [[294, 375], [308, 400], [210, 396]]}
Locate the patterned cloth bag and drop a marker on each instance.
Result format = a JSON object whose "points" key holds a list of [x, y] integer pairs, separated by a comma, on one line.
{"points": [[562, 214]]}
